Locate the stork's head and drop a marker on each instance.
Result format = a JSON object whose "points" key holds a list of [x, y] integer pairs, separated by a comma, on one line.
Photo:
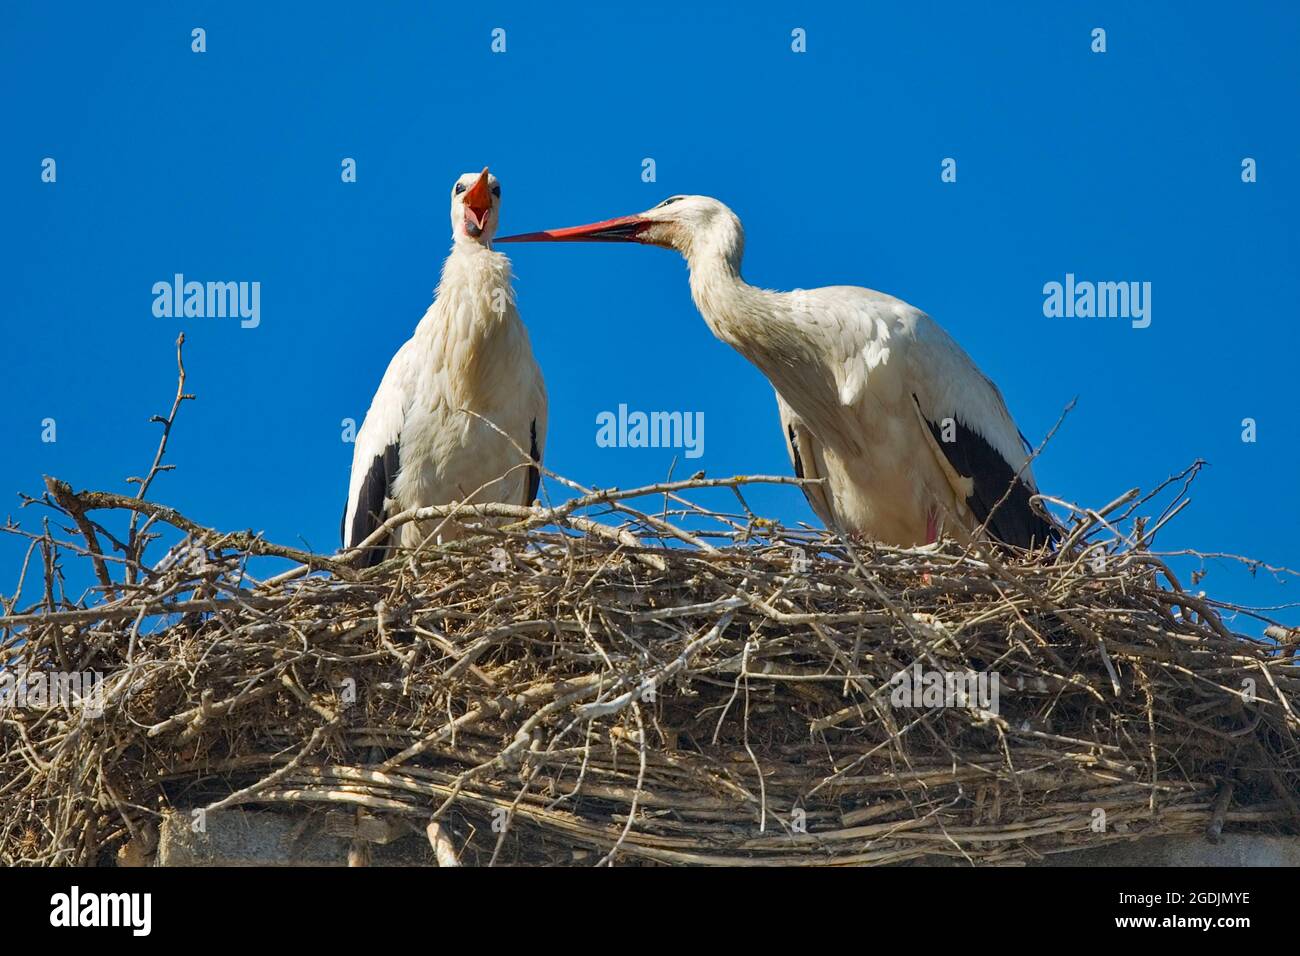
{"points": [[693, 225], [475, 207]]}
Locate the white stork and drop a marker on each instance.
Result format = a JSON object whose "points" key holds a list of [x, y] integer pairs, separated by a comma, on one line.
{"points": [[429, 438], [911, 439]]}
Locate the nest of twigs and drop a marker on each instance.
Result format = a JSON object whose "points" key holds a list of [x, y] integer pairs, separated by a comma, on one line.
{"points": [[591, 683]]}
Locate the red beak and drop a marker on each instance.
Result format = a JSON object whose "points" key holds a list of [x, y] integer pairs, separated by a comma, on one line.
{"points": [[622, 229], [478, 201]]}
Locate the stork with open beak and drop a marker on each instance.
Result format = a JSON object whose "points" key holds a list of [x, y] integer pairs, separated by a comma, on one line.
{"points": [[429, 436], [910, 438]]}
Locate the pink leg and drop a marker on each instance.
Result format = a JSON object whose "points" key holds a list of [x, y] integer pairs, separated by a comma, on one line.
{"points": [[931, 527]]}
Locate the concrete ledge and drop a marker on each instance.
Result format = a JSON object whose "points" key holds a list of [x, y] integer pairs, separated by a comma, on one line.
{"points": [[1235, 849], [245, 838]]}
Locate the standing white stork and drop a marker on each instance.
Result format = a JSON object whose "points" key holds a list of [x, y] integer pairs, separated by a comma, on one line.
{"points": [[911, 439], [429, 438]]}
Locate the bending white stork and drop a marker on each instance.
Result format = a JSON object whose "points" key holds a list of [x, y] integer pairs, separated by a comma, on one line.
{"points": [[875, 398], [428, 437]]}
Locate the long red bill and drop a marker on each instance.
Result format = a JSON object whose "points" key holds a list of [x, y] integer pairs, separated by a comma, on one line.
{"points": [[622, 229]]}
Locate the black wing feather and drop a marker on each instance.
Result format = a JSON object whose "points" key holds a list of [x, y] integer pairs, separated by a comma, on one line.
{"points": [[1013, 521], [376, 487], [534, 473], [794, 452], [799, 469]]}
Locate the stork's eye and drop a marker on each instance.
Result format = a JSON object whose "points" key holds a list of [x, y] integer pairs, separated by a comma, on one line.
{"points": [[460, 188], [496, 191], [670, 201]]}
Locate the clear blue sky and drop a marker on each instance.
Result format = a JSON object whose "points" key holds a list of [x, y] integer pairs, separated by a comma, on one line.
{"points": [[225, 165]]}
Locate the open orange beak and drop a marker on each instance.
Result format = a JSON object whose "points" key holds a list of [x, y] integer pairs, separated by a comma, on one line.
{"points": [[478, 203], [623, 229]]}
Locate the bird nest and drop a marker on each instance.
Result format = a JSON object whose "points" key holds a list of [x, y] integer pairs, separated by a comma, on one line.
{"points": [[590, 683]]}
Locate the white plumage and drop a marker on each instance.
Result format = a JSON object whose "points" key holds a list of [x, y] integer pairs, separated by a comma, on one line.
{"points": [[874, 397], [428, 437]]}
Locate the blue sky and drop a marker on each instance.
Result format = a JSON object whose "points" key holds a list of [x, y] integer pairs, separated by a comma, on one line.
{"points": [[225, 165]]}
